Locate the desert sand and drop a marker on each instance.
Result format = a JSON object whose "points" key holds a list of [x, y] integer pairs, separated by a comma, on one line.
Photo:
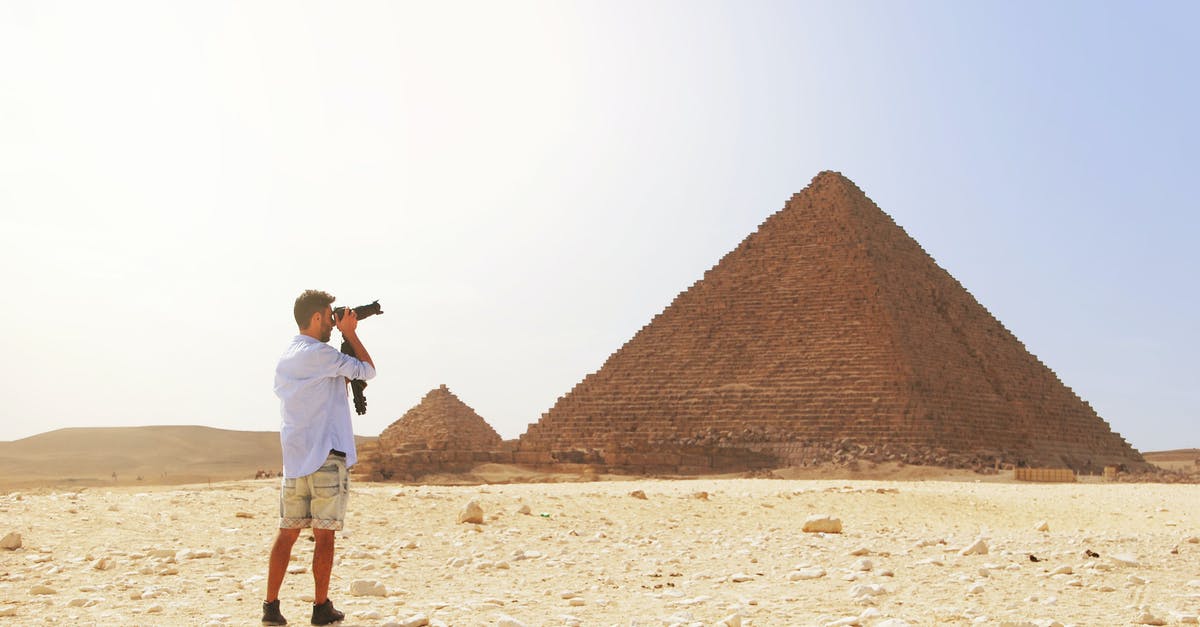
{"points": [[692, 552]]}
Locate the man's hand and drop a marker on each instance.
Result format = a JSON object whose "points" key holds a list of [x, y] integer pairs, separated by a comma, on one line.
{"points": [[347, 323]]}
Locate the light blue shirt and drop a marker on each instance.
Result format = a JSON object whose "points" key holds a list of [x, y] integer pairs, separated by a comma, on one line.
{"points": [[310, 382]]}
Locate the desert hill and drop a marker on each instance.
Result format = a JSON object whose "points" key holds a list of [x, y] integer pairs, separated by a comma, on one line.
{"points": [[151, 455]]}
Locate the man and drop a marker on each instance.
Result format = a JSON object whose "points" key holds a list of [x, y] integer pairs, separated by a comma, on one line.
{"points": [[318, 445]]}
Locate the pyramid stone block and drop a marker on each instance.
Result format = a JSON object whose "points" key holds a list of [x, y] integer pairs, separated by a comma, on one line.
{"points": [[827, 334]]}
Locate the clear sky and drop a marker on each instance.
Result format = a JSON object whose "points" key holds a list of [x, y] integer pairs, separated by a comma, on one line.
{"points": [[523, 185]]}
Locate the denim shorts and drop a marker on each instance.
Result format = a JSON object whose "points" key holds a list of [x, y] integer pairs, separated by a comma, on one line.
{"points": [[317, 500]]}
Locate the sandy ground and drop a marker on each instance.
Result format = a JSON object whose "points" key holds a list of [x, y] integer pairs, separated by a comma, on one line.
{"points": [[694, 552]]}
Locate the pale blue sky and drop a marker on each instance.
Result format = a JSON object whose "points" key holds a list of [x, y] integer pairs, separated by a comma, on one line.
{"points": [[524, 185]]}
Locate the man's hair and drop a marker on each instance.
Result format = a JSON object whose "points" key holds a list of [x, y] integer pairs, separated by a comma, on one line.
{"points": [[309, 303]]}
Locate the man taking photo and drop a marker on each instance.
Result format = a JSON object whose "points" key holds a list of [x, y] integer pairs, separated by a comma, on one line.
{"points": [[318, 445]]}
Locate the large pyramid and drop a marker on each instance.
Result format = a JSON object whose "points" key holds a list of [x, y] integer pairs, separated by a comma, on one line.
{"points": [[828, 330], [439, 422]]}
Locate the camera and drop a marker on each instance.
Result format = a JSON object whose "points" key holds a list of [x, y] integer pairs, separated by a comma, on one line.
{"points": [[363, 311]]}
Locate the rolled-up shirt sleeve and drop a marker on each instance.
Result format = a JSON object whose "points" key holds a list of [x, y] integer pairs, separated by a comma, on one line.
{"points": [[352, 368], [337, 363]]}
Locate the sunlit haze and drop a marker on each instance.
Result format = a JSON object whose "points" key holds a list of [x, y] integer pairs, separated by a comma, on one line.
{"points": [[523, 185]]}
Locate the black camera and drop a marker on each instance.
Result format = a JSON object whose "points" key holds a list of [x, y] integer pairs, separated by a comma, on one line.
{"points": [[363, 311]]}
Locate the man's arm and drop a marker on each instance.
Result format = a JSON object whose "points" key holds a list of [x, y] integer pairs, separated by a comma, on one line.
{"points": [[348, 326]]}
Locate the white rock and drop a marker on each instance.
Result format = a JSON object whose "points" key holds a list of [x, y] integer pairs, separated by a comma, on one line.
{"points": [[416, 620], [1183, 617], [975, 588], [822, 523], [733, 620], [1125, 559], [1042, 526], [104, 563], [11, 541], [472, 513], [978, 547], [1062, 570], [806, 573], [893, 622], [42, 589], [1146, 618], [508, 621], [866, 591], [741, 577], [863, 565], [367, 588]]}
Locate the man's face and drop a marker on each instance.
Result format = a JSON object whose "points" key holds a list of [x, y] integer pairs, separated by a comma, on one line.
{"points": [[326, 324]]}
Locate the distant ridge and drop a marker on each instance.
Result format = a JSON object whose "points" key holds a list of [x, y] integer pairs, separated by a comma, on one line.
{"points": [[170, 454], [828, 333]]}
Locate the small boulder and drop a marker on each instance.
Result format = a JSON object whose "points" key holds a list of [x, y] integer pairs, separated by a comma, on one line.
{"points": [[471, 513], [638, 494], [12, 541], [978, 547], [822, 523], [367, 588]]}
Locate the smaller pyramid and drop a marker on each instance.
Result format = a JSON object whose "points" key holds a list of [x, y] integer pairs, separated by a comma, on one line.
{"points": [[440, 422]]}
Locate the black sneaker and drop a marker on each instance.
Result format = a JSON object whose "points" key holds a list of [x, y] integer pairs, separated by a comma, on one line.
{"points": [[324, 614], [271, 615]]}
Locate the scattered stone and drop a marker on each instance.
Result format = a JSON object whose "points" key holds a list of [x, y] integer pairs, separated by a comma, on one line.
{"points": [[8, 610], [1042, 526], [104, 563], [741, 577], [42, 589], [367, 588], [733, 620], [865, 592], [638, 494], [11, 541], [524, 509], [805, 574], [978, 547], [822, 523], [701, 496], [244, 515], [508, 621], [471, 513], [1147, 618], [864, 565], [1125, 559], [416, 620]]}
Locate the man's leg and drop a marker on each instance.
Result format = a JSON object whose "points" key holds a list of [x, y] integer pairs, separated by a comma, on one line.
{"points": [[281, 553], [322, 564]]}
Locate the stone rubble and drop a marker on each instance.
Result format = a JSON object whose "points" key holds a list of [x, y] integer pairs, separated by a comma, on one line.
{"points": [[605, 559]]}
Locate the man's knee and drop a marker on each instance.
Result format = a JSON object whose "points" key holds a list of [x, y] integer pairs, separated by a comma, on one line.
{"points": [[323, 536], [287, 536]]}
